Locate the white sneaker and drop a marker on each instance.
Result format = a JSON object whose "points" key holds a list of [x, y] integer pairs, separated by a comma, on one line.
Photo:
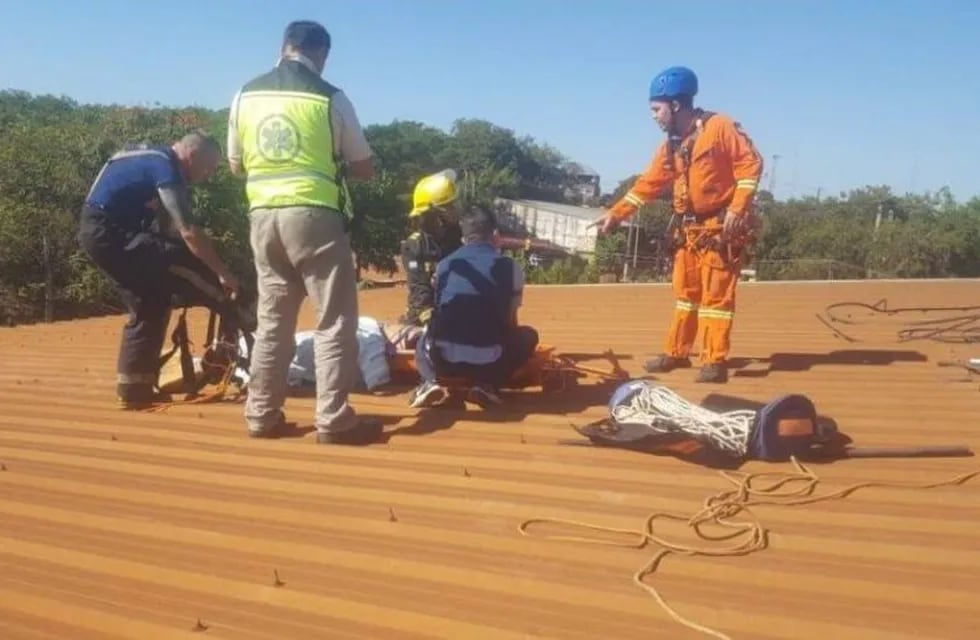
{"points": [[427, 394]]}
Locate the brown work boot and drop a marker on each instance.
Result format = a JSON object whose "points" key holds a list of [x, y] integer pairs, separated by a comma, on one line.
{"points": [[272, 430], [664, 363], [716, 372]]}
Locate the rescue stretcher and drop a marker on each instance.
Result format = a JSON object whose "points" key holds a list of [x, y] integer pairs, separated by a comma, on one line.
{"points": [[203, 380], [547, 369]]}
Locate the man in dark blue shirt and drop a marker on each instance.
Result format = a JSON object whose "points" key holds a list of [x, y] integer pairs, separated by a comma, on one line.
{"points": [[473, 332], [137, 226]]}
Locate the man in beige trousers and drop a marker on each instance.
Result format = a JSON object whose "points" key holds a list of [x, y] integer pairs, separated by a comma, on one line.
{"points": [[296, 139]]}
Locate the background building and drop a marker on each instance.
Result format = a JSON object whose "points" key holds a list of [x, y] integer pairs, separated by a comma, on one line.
{"points": [[566, 225], [583, 185]]}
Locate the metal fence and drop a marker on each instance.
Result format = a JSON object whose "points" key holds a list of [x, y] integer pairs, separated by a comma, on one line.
{"points": [[658, 269]]}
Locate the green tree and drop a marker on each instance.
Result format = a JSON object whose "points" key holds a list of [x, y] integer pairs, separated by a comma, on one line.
{"points": [[380, 222], [406, 151], [53, 147]]}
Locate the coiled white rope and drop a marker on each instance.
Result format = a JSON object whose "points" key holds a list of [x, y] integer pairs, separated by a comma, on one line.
{"points": [[666, 412]]}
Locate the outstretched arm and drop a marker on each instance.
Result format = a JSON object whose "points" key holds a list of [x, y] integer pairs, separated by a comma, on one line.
{"points": [[654, 179]]}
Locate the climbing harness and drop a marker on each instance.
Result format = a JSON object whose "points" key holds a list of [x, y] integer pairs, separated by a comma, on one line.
{"points": [[221, 358], [687, 228], [746, 536]]}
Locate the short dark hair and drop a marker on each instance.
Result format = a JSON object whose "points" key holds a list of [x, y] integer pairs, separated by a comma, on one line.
{"points": [[199, 139], [306, 35], [477, 223]]}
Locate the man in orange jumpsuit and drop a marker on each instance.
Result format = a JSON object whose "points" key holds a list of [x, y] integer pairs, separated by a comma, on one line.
{"points": [[714, 170]]}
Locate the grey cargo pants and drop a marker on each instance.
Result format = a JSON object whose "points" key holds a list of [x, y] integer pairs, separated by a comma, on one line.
{"points": [[299, 252]]}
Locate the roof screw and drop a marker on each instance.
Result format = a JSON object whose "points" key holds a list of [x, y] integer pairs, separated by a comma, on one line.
{"points": [[391, 515], [200, 626], [278, 582], [466, 472]]}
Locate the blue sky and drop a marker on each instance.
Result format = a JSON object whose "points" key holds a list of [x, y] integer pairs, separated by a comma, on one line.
{"points": [[846, 93]]}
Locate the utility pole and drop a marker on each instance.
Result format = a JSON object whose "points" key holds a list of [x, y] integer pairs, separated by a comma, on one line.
{"points": [[869, 271], [626, 253], [48, 279], [772, 174], [636, 248]]}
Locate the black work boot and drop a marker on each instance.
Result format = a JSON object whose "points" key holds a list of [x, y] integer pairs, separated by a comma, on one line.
{"points": [[713, 372], [366, 431], [137, 396], [484, 396], [664, 363]]}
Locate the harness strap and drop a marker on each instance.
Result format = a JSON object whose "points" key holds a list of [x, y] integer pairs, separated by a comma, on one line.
{"points": [[210, 335], [217, 371], [674, 232], [686, 146], [176, 345], [186, 360], [181, 343]]}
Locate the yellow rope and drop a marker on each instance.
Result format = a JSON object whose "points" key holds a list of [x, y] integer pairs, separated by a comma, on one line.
{"points": [[220, 391], [720, 509]]}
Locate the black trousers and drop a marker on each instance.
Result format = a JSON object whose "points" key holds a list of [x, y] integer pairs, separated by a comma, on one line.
{"points": [[518, 347], [153, 273]]}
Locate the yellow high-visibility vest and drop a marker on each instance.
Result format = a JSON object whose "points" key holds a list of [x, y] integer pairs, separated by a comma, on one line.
{"points": [[288, 144]]}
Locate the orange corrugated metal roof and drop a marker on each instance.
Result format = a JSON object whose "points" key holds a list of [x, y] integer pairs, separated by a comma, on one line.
{"points": [[133, 525]]}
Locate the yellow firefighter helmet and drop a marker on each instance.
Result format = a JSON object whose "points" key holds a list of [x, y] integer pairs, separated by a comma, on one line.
{"points": [[436, 190]]}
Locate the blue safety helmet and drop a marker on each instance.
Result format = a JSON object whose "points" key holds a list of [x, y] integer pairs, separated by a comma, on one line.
{"points": [[673, 83]]}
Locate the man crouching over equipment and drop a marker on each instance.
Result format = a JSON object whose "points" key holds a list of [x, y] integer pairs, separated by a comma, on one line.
{"points": [[473, 332], [121, 231]]}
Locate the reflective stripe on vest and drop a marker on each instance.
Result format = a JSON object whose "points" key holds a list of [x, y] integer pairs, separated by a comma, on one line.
{"points": [[288, 150]]}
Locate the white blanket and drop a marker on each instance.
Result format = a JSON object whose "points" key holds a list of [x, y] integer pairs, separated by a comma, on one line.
{"points": [[371, 358]]}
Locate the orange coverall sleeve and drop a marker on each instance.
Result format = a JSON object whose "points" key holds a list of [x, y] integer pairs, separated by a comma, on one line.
{"points": [[647, 187], [746, 166]]}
